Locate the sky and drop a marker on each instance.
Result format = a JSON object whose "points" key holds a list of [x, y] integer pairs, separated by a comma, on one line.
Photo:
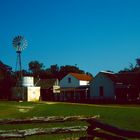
{"points": [[95, 35]]}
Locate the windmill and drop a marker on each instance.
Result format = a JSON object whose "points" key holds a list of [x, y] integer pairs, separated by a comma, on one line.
{"points": [[19, 43], [24, 89]]}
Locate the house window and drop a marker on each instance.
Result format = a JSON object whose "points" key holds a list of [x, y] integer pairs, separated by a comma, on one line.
{"points": [[101, 91], [69, 80]]}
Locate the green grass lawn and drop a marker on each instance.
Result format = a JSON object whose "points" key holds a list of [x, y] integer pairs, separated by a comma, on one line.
{"points": [[124, 116], [119, 115]]}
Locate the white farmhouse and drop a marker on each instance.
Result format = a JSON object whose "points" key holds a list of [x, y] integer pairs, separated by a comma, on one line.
{"points": [[74, 87], [73, 80], [103, 86]]}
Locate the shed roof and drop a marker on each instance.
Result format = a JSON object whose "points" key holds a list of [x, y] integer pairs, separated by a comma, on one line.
{"points": [[129, 78], [46, 83], [126, 78], [83, 77], [110, 75]]}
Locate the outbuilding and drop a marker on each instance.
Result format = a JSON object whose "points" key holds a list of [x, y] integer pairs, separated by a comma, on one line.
{"points": [[103, 86], [120, 87]]}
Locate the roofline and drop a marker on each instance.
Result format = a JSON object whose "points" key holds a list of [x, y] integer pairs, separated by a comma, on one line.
{"points": [[106, 72], [79, 74]]}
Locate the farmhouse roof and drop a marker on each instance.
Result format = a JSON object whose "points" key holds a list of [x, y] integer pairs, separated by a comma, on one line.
{"points": [[83, 77]]}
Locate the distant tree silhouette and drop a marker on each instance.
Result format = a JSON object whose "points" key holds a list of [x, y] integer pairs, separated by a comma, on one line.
{"points": [[54, 71], [36, 67], [64, 70], [138, 62], [132, 68], [7, 80], [126, 70]]}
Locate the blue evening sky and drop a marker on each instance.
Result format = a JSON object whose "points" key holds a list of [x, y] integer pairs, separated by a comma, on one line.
{"points": [[94, 34]]}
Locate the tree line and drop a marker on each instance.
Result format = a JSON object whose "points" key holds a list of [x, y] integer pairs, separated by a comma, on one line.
{"points": [[132, 68], [38, 69]]}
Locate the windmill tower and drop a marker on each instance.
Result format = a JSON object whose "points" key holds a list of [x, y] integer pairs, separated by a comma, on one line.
{"points": [[25, 89], [19, 43]]}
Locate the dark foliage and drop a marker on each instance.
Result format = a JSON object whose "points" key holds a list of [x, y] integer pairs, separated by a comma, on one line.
{"points": [[7, 81], [37, 69], [64, 70], [132, 68], [138, 62]]}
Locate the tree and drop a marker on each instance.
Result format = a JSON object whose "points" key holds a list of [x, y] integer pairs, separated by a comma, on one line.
{"points": [[138, 62], [51, 72], [132, 68], [36, 67], [64, 70], [7, 80], [54, 69], [5, 69]]}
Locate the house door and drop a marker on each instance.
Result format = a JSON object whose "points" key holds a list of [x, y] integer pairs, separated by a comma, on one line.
{"points": [[101, 91]]}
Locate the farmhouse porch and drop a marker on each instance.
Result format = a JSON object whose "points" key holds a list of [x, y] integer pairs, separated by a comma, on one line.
{"points": [[78, 94]]}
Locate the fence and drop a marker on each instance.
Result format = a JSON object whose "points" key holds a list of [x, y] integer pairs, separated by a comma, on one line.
{"points": [[95, 129], [18, 133], [108, 132]]}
